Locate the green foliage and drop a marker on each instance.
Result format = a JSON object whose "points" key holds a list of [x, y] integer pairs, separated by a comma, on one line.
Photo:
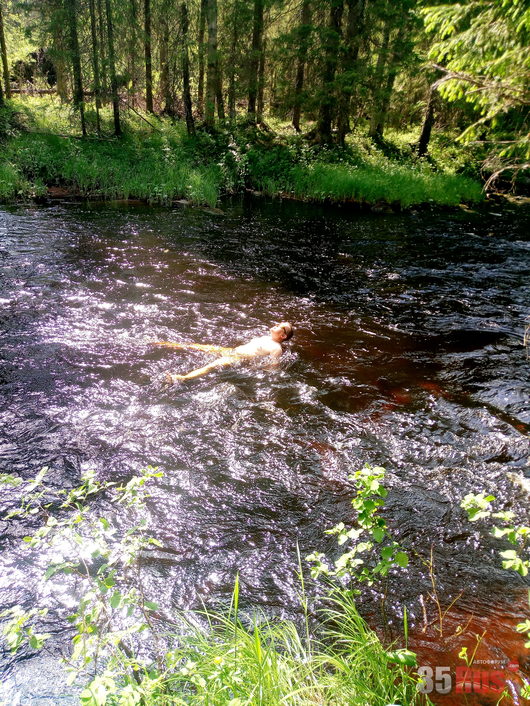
{"points": [[8, 479], [479, 507], [392, 183], [485, 52], [268, 662], [353, 175], [99, 559], [373, 551], [141, 169], [163, 164], [486, 39], [13, 185], [224, 658], [18, 630], [9, 122]]}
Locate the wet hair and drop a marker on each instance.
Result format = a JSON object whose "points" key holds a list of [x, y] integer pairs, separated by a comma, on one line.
{"points": [[288, 330]]}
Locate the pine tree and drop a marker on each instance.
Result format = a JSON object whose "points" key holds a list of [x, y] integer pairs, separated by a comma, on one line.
{"points": [[75, 58], [255, 56], [303, 32], [112, 70], [95, 62], [148, 59], [328, 101], [212, 79], [186, 91], [3, 51]]}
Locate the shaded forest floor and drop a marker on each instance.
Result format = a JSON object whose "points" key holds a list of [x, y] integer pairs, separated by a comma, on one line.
{"points": [[41, 154]]}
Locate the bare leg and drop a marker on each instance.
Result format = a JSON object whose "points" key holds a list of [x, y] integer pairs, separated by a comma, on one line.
{"points": [[219, 363], [205, 348]]}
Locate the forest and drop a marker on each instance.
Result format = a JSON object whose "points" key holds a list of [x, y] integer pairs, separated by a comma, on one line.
{"points": [[346, 100], [342, 520]]}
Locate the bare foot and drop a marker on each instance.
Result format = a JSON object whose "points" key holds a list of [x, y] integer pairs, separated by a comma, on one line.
{"points": [[171, 379]]}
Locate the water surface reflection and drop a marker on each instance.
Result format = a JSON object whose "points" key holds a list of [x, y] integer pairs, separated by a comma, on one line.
{"points": [[407, 354]]}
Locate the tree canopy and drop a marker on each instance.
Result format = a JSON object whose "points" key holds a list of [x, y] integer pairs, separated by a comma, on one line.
{"points": [[328, 66], [483, 50]]}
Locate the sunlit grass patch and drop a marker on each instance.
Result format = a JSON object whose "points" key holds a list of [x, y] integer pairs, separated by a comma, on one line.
{"points": [[115, 169], [238, 660], [158, 162], [391, 183]]}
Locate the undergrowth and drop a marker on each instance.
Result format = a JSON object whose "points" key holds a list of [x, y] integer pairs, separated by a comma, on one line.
{"points": [[158, 162]]}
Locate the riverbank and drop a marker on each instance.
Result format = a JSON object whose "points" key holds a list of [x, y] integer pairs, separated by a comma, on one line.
{"points": [[156, 161]]}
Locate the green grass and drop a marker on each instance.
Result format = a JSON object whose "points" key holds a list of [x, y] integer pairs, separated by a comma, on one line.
{"points": [[13, 185], [403, 185], [159, 163], [149, 169], [125, 651], [362, 173], [263, 662]]}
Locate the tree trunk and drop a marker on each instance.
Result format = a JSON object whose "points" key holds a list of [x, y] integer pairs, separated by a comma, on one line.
{"points": [[428, 122], [132, 51], [148, 59], [352, 45], [212, 82], [377, 123], [103, 44], [261, 83], [95, 61], [75, 58], [112, 70], [328, 101], [200, 86], [378, 91], [382, 112], [255, 56], [232, 63], [3, 50], [304, 31], [219, 91], [165, 80], [186, 92]]}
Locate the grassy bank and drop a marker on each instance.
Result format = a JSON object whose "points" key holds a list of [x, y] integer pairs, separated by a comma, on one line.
{"points": [[237, 662], [156, 161]]}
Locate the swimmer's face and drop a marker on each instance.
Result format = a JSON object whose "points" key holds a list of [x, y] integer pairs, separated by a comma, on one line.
{"points": [[281, 332]]}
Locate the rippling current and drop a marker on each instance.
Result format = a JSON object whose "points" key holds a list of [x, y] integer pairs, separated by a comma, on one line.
{"points": [[408, 353]]}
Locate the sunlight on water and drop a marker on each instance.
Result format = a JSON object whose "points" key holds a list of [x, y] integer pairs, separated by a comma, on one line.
{"points": [[407, 353]]}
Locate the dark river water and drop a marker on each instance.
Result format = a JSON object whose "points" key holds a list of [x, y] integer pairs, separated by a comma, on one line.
{"points": [[408, 353]]}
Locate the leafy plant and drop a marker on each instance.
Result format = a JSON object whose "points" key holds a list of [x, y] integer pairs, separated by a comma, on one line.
{"points": [[162, 164], [224, 658], [484, 54], [88, 548], [479, 507], [371, 533]]}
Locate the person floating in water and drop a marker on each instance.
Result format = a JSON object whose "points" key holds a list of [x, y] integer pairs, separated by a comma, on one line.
{"points": [[261, 347]]}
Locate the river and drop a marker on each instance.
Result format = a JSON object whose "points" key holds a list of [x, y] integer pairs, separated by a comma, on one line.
{"points": [[408, 353]]}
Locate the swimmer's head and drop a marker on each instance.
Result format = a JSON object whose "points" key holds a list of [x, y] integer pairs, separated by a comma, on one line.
{"points": [[282, 331]]}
